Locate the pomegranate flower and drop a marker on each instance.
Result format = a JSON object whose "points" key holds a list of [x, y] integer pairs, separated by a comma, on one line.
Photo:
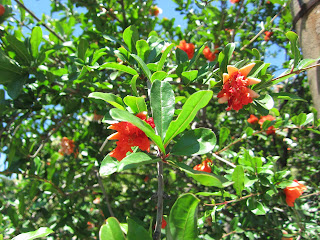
{"points": [[67, 146], [267, 35], [270, 129], [235, 89], [211, 56], [129, 136], [252, 119], [234, 1], [187, 47], [204, 167], [294, 191]]}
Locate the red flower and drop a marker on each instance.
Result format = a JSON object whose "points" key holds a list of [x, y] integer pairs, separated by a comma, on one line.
{"points": [[204, 167], [187, 47], [267, 35], [164, 223], [235, 89], [234, 1], [270, 129], [129, 136], [211, 56], [252, 119], [154, 11], [294, 191], [2, 10], [285, 238], [67, 146]]}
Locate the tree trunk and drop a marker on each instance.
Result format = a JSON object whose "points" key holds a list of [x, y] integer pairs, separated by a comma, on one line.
{"points": [[306, 14]]}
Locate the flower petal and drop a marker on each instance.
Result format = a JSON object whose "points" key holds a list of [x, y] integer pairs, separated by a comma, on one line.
{"points": [[253, 94], [223, 99], [252, 80], [246, 69], [232, 69], [225, 77]]}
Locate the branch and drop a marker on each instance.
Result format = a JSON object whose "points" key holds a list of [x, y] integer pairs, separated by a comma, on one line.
{"points": [[232, 201], [38, 20], [296, 72], [223, 160], [106, 197], [157, 231]]}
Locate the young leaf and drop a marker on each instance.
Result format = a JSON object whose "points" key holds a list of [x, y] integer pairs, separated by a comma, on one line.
{"points": [[108, 166], [293, 37], [142, 49], [111, 230], [225, 56], [195, 142], [136, 104], [162, 106], [164, 56], [130, 37], [118, 67], [189, 76], [136, 231], [193, 104], [35, 40], [41, 232], [183, 217], [160, 75], [122, 115], [109, 98], [133, 84], [142, 64], [238, 179]]}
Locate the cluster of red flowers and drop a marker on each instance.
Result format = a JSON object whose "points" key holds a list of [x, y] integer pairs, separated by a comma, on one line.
{"points": [[204, 166], [267, 35], [253, 119], [67, 146], [187, 47], [129, 136], [294, 191], [211, 56], [235, 89]]}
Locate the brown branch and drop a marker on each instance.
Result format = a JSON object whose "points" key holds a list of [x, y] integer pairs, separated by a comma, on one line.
{"points": [[296, 72], [232, 201], [233, 33], [106, 197], [38, 20], [157, 230], [123, 15]]}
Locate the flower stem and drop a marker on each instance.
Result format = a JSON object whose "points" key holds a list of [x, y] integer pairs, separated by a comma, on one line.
{"points": [[157, 231]]}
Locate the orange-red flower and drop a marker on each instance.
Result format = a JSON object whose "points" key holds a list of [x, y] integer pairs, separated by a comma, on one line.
{"points": [[267, 35], [285, 238], [235, 89], [294, 191], [234, 1], [129, 136], [187, 47], [2, 10], [270, 129], [164, 223], [97, 117], [211, 56], [67, 146], [204, 166], [252, 119], [155, 11]]}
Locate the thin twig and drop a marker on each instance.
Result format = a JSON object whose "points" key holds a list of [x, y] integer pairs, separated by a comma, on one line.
{"points": [[262, 30], [157, 231], [38, 20], [232, 201], [223, 160], [123, 14], [106, 197], [311, 194], [296, 72], [233, 33]]}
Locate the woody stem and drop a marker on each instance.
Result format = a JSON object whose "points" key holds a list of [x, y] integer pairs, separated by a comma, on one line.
{"points": [[157, 231]]}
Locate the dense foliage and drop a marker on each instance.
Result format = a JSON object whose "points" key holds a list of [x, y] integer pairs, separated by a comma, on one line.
{"points": [[118, 124]]}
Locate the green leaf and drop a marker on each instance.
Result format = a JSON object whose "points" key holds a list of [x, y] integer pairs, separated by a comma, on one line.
{"points": [[20, 49], [108, 166], [109, 98], [82, 48], [181, 56], [204, 178], [136, 231], [225, 56], [223, 135], [14, 88], [196, 56], [111, 230], [300, 119], [41, 232], [195, 142], [136, 104], [143, 49], [190, 76], [193, 104], [287, 96], [160, 75], [35, 40], [183, 217], [9, 69], [265, 101], [256, 207], [135, 160], [130, 37], [133, 84], [119, 67], [238, 179], [162, 106], [142, 64], [164, 56], [121, 115], [293, 37]]}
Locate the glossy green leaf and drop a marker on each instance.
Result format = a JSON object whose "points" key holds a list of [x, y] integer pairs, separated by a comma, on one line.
{"points": [[9, 69], [195, 142], [136, 104], [256, 207], [108, 166], [293, 37], [189, 76], [300, 119], [130, 37], [204, 178], [109, 98], [111, 230], [119, 67], [143, 66], [15, 87], [223, 135], [35, 40], [196, 56], [41, 232], [164, 56], [225, 56], [287, 96], [20, 49], [193, 104], [122, 115], [159, 75], [162, 106], [82, 48], [181, 56], [238, 179], [266, 101], [136, 231], [135, 160], [183, 217], [142, 49]]}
